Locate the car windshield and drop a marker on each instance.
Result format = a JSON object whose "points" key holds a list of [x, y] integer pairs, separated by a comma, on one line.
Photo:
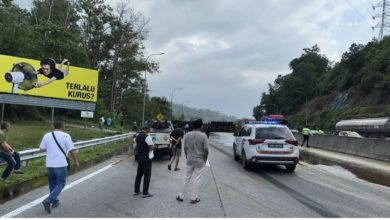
{"points": [[274, 133]]}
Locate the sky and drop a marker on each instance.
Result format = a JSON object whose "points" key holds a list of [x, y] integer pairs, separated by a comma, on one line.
{"points": [[224, 53]]}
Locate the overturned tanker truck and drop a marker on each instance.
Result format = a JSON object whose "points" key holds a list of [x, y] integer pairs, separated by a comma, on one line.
{"points": [[368, 127]]}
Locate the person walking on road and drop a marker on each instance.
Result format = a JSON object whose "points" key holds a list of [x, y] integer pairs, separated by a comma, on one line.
{"points": [[176, 136], [196, 151], [7, 153], [306, 132], [56, 143], [144, 149]]}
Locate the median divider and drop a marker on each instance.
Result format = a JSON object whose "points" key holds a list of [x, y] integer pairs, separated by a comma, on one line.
{"points": [[373, 148]]}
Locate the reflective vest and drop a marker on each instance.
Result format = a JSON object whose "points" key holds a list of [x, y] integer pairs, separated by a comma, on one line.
{"points": [[305, 131]]}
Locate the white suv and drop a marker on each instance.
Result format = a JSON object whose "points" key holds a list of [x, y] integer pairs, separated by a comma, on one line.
{"points": [[266, 144]]}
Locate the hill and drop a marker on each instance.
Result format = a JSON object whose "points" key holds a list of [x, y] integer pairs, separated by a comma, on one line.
{"points": [[358, 86], [188, 113]]}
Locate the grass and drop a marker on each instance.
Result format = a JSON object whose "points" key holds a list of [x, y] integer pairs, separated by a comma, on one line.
{"points": [[28, 134]]}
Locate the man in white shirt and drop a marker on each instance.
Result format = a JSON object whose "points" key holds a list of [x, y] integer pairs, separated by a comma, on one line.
{"points": [[56, 162]]}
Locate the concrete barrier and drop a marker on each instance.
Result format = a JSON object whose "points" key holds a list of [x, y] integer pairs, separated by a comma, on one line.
{"points": [[378, 149]]}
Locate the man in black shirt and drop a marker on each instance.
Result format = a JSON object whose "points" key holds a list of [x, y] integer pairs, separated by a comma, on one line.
{"points": [[48, 69], [176, 136], [143, 149]]}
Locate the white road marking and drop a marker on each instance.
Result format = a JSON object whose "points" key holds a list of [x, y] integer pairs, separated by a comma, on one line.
{"points": [[39, 200]]}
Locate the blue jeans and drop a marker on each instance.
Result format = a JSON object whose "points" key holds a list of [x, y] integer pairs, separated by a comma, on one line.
{"points": [[13, 161], [57, 181]]}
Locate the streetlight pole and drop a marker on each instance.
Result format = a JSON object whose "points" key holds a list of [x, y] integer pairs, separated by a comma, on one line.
{"points": [[173, 90], [144, 89], [305, 104]]}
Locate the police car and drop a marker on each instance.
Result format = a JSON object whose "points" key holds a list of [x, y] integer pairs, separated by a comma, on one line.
{"points": [[266, 142]]}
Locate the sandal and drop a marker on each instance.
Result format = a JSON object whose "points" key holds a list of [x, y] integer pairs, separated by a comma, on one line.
{"points": [[195, 201]]}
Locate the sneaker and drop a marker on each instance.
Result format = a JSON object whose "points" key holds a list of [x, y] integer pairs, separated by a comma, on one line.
{"points": [[55, 205], [147, 195], [195, 201], [46, 206], [136, 194], [19, 171], [177, 169], [169, 167], [179, 199]]}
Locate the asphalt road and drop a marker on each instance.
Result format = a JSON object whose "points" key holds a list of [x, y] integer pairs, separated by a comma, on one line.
{"points": [[227, 190]]}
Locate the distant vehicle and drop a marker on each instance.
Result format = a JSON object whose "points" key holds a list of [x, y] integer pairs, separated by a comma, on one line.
{"points": [[260, 143], [349, 134], [370, 127], [294, 130]]}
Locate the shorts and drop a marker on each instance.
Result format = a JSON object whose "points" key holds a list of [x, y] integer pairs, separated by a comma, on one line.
{"points": [[176, 152]]}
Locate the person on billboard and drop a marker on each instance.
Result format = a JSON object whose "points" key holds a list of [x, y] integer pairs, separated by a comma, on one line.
{"points": [[48, 69]]}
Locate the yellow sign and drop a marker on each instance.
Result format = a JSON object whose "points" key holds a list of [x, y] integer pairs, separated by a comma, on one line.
{"points": [[160, 117], [21, 76]]}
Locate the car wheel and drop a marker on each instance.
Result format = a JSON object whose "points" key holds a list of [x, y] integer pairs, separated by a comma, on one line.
{"points": [[236, 157], [244, 161], [291, 168]]}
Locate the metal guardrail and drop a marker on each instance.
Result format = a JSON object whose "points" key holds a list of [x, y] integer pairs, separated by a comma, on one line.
{"points": [[32, 154]]}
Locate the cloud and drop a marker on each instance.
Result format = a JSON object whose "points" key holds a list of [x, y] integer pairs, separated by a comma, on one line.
{"points": [[223, 53]]}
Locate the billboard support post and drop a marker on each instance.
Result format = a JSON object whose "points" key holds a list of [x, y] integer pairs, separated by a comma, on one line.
{"points": [[2, 113], [52, 115]]}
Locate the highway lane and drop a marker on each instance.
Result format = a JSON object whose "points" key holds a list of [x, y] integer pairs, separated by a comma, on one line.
{"points": [[329, 190], [227, 190]]}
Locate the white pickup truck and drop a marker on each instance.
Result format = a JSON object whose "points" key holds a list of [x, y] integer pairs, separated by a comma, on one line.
{"points": [[160, 135]]}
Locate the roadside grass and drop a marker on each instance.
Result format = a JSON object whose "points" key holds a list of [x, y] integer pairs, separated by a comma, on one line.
{"points": [[36, 169], [28, 134]]}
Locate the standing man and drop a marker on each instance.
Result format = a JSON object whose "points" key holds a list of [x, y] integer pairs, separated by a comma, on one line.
{"points": [[306, 132], [196, 150], [7, 153], [101, 122], [56, 161], [176, 136], [144, 147]]}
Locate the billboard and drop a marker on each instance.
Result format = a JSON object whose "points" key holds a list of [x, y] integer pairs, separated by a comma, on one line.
{"points": [[26, 77]]}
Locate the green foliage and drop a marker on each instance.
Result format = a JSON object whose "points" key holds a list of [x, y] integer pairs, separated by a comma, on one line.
{"points": [[364, 68]]}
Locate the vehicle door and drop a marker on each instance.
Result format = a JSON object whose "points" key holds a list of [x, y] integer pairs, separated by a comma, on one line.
{"points": [[244, 137]]}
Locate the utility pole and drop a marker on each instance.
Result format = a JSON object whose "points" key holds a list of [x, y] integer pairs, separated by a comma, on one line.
{"points": [[384, 23]]}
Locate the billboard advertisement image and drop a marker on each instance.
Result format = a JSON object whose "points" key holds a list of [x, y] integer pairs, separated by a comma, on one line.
{"points": [[46, 78]]}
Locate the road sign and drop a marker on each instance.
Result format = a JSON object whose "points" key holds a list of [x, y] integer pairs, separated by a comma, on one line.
{"points": [[160, 117], [86, 114]]}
